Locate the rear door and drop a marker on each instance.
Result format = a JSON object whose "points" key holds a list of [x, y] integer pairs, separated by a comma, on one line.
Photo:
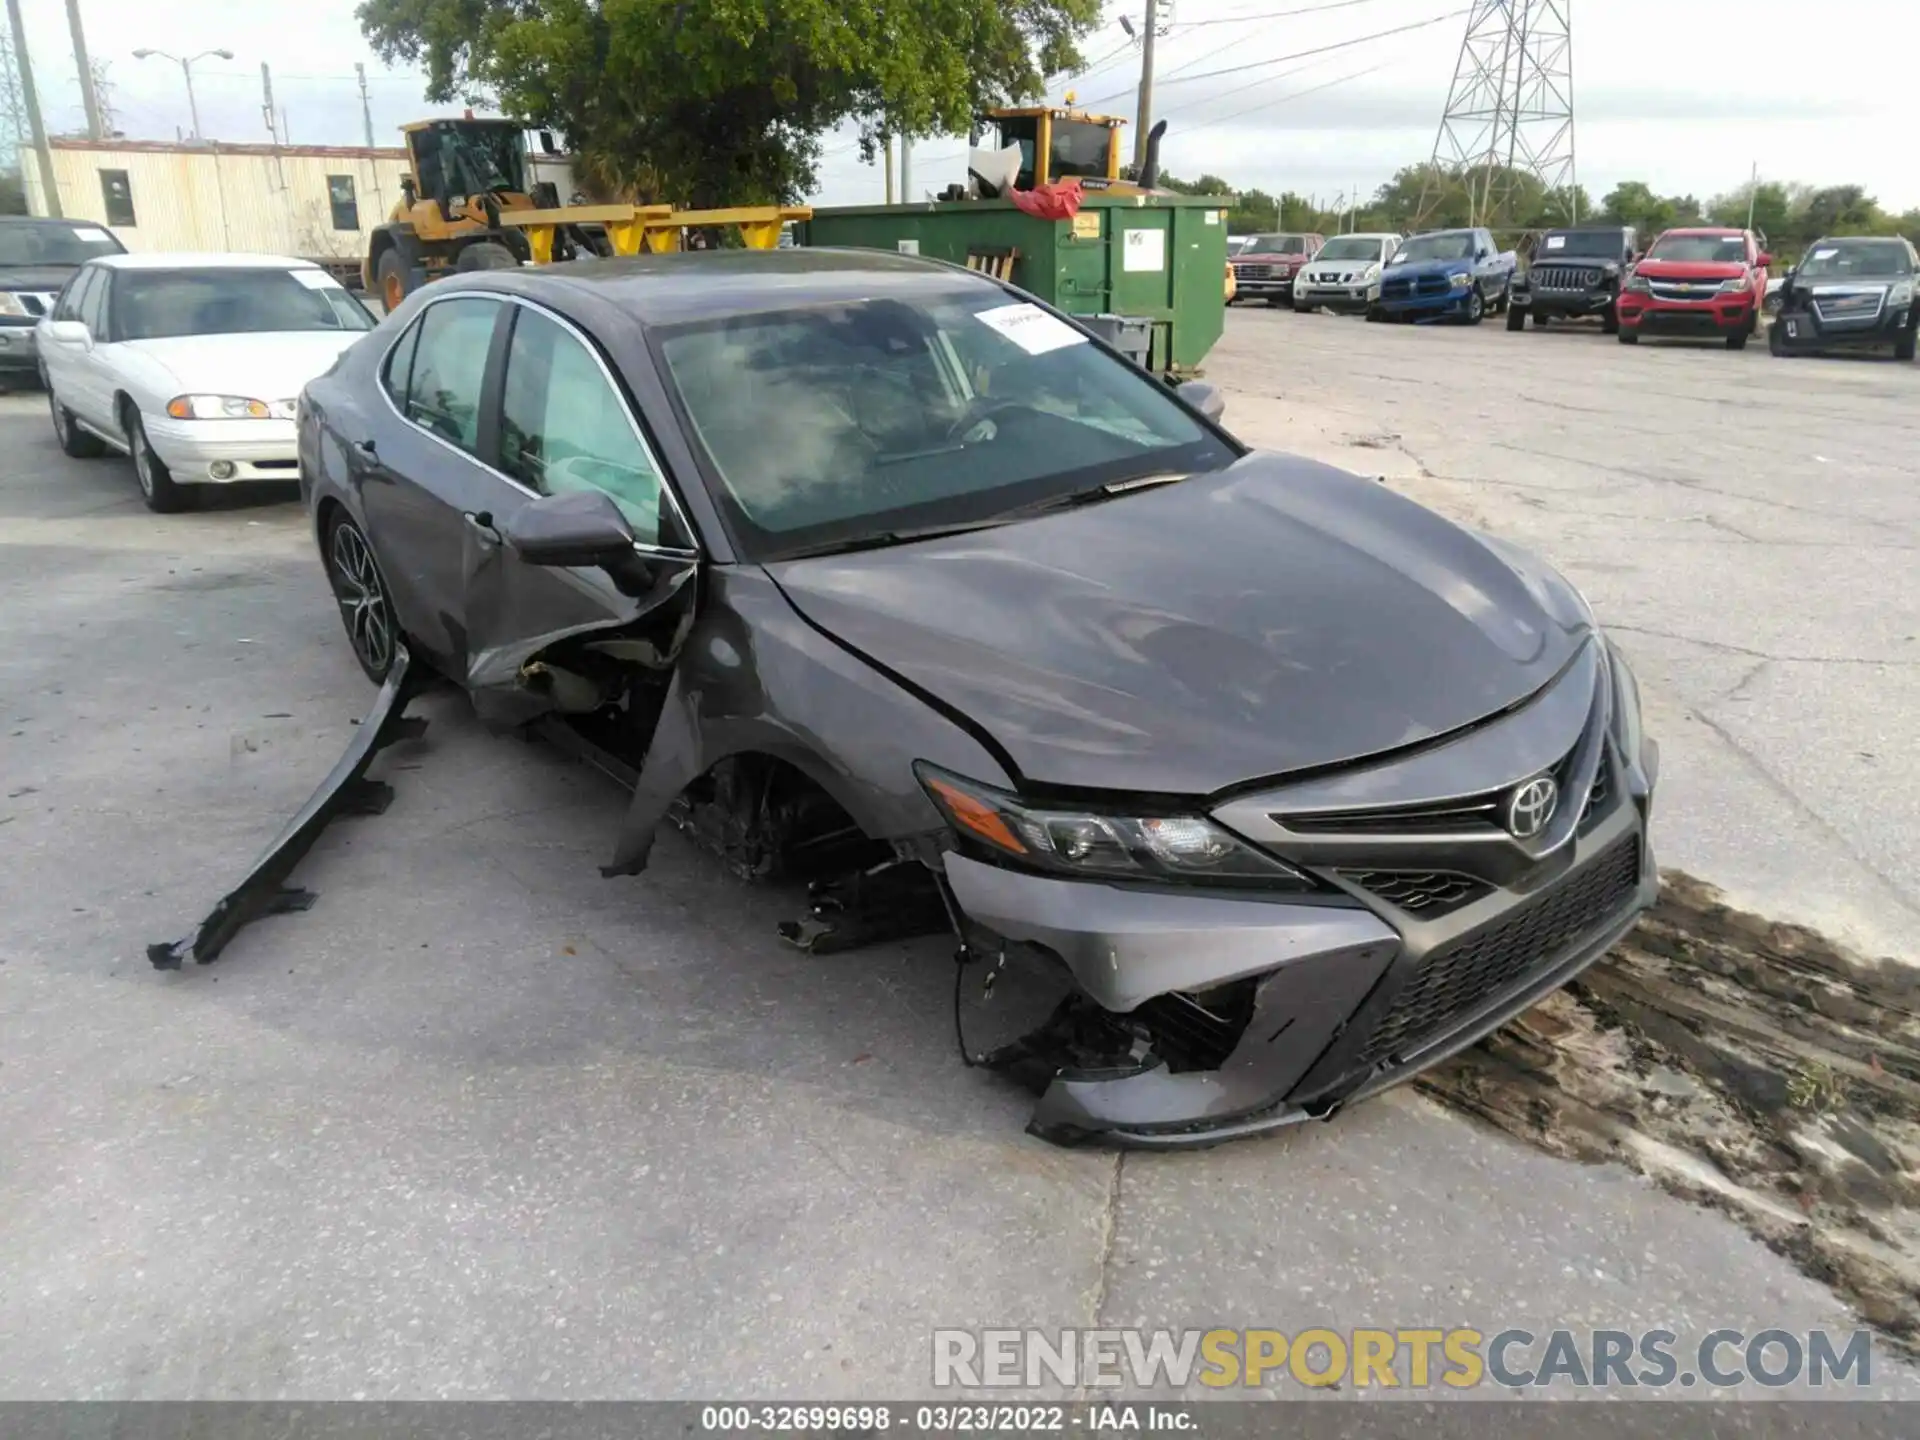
{"points": [[564, 424], [93, 383]]}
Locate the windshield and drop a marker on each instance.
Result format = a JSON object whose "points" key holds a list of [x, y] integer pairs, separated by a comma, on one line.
{"points": [[1079, 148], [1455, 246], [157, 304], [842, 422], [1556, 243], [484, 157], [1864, 259], [55, 244], [1349, 247], [1701, 249], [1277, 245]]}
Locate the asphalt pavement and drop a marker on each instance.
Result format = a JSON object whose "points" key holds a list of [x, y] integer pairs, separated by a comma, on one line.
{"points": [[485, 1124]]}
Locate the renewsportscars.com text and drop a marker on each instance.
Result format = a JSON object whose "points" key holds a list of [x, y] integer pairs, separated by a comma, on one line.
{"points": [[1458, 1359]]}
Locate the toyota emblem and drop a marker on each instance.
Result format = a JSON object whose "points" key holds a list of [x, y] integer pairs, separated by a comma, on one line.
{"points": [[1531, 806]]}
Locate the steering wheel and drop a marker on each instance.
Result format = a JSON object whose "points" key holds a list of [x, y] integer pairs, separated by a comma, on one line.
{"points": [[978, 413]]}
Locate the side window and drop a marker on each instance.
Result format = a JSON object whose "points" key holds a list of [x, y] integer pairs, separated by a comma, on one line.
{"points": [[93, 305], [449, 366], [68, 307], [341, 201], [563, 427], [117, 192], [400, 366]]}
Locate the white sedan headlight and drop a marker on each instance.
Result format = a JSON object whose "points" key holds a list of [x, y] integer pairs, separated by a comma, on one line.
{"points": [[217, 407]]}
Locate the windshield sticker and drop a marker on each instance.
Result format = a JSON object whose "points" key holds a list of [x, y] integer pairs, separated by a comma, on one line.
{"points": [[315, 279], [1145, 250], [1826, 253], [1556, 242], [1031, 328], [1399, 259], [90, 233]]}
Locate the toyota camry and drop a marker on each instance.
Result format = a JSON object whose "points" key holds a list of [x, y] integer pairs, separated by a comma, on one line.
{"points": [[874, 574]]}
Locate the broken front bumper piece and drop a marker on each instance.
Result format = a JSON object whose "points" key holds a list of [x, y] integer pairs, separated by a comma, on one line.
{"points": [[345, 791], [1225, 1017]]}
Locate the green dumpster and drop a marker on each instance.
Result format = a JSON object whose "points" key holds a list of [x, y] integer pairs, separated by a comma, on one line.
{"points": [[1161, 258]]}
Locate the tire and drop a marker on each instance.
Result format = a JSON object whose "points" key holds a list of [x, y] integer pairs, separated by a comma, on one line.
{"points": [[1375, 315], [1776, 342], [486, 255], [74, 441], [1300, 309], [1516, 319], [1610, 321], [157, 488], [1540, 319], [1476, 310], [1738, 340], [1627, 337], [1903, 345], [396, 279], [360, 590]]}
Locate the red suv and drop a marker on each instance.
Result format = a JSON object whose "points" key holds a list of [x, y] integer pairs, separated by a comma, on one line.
{"points": [[1700, 282], [1265, 269]]}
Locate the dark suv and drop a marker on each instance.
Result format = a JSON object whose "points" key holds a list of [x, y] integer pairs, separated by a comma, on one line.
{"points": [[1850, 293], [37, 258], [1573, 274]]}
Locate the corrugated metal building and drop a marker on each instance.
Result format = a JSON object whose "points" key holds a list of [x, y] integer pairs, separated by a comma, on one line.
{"points": [[317, 201]]}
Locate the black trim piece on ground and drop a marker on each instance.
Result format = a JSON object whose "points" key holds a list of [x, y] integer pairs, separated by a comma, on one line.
{"points": [[345, 791]]}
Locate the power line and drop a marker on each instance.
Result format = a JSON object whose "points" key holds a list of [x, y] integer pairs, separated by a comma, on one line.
{"points": [[1301, 54], [1296, 95], [1276, 14]]}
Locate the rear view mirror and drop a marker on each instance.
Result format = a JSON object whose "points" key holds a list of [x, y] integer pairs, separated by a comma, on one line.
{"points": [[1205, 398], [69, 332], [576, 527]]}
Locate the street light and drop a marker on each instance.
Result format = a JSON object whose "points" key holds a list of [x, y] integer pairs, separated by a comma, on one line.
{"points": [[186, 69]]}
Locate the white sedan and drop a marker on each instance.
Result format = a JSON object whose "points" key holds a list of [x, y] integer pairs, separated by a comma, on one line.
{"points": [[191, 364]]}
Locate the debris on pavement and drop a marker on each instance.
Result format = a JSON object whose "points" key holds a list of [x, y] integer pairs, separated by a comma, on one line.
{"points": [[1753, 1066]]}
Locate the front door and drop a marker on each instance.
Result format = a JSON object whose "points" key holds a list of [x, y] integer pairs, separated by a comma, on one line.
{"points": [[563, 425]]}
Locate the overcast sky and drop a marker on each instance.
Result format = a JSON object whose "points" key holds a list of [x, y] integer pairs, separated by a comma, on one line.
{"points": [[1685, 94]]}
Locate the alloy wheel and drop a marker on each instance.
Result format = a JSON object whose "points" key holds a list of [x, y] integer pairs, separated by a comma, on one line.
{"points": [[362, 598], [143, 465]]}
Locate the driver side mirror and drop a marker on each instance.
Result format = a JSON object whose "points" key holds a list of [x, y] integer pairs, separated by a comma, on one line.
{"points": [[574, 528], [70, 332], [1203, 397], [1763, 260]]}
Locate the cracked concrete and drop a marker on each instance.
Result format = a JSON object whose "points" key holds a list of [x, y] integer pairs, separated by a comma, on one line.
{"points": [[482, 1124], [1743, 526]]}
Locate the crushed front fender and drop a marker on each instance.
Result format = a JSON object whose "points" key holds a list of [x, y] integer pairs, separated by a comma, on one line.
{"points": [[345, 791]]}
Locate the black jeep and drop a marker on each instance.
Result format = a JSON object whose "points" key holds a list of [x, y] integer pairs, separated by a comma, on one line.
{"points": [[1574, 273]]}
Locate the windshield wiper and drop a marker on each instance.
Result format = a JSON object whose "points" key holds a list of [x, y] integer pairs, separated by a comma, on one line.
{"points": [[882, 539], [1073, 499]]}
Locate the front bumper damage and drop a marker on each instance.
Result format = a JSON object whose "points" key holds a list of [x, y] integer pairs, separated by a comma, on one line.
{"points": [[1202, 1017]]}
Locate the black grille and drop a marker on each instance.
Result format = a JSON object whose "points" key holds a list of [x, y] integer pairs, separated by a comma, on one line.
{"points": [[1563, 277], [1460, 977], [1199, 1031], [1396, 289], [1426, 893], [1476, 812]]}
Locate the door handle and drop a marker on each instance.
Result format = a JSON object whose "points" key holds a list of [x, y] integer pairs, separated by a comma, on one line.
{"points": [[367, 448], [481, 523]]}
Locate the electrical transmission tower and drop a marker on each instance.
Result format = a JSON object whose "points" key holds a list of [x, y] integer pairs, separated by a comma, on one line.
{"points": [[1509, 114]]}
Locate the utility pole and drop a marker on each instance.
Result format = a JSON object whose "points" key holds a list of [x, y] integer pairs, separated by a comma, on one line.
{"points": [[91, 101], [1143, 117], [366, 110], [1753, 193], [888, 165], [266, 102], [906, 169], [30, 101]]}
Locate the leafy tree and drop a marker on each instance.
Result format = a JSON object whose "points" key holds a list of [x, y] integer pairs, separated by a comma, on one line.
{"points": [[13, 193], [724, 102]]}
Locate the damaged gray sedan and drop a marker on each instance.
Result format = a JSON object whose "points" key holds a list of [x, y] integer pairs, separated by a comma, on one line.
{"points": [[874, 575]]}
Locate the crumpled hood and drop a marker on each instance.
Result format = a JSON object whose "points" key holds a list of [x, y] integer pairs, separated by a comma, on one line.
{"points": [[269, 367], [1278, 616]]}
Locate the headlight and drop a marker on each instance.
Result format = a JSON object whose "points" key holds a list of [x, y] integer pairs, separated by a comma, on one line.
{"points": [[1610, 268], [1639, 286], [1627, 725], [1734, 286], [1372, 272], [1459, 282], [1098, 844], [217, 407], [1901, 294], [10, 304]]}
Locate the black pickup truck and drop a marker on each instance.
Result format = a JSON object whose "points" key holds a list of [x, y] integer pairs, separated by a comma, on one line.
{"points": [[1574, 273]]}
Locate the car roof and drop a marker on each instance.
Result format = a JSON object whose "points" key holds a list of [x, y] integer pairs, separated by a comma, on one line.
{"points": [[1704, 230], [49, 220], [202, 260], [672, 289]]}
